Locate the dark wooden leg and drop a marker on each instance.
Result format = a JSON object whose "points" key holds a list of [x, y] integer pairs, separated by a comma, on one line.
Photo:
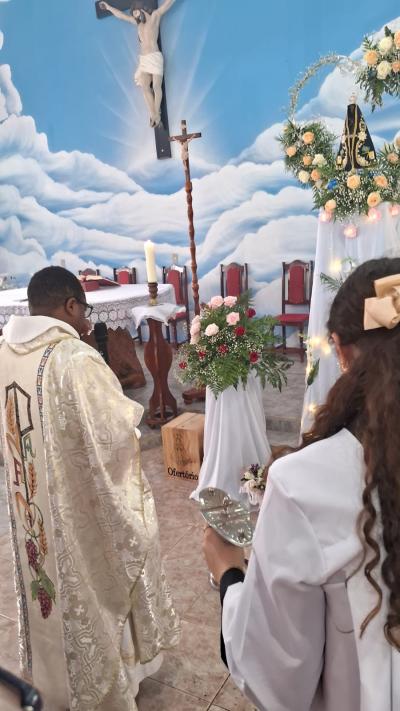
{"points": [[284, 338], [175, 334], [158, 358]]}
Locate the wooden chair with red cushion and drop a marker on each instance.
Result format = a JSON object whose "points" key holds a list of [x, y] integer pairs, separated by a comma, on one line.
{"points": [[234, 279], [297, 279], [127, 275], [177, 276]]}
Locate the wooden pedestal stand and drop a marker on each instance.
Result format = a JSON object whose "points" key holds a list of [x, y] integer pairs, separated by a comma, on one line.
{"points": [[158, 359]]}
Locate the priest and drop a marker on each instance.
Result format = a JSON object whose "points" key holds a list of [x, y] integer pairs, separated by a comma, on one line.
{"points": [[95, 611]]}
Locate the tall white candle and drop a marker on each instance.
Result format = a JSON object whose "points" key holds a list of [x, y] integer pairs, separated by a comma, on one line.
{"points": [[149, 250]]}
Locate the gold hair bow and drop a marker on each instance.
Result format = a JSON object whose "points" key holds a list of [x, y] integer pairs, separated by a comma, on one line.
{"points": [[383, 310]]}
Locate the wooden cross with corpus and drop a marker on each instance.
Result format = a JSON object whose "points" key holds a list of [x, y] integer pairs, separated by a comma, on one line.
{"points": [[161, 132], [184, 140]]}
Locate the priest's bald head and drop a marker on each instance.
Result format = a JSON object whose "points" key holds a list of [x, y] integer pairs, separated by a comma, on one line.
{"points": [[56, 292]]}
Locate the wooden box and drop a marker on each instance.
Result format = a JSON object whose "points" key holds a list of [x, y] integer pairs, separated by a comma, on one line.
{"points": [[183, 446]]}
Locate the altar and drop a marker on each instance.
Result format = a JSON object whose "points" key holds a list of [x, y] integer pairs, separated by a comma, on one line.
{"points": [[112, 306]]}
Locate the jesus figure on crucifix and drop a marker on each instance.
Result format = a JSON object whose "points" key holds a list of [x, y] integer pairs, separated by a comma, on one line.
{"points": [[150, 71]]}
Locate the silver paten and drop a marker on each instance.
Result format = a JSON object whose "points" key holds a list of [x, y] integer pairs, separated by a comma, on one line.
{"points": [[226, 516]]}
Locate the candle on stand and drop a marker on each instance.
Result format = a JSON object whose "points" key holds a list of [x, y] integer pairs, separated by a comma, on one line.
{"points": [[149, 250]]}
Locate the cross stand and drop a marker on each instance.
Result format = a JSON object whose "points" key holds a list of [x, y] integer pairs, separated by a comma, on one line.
{"points": [[184, 139], [161, 132]]}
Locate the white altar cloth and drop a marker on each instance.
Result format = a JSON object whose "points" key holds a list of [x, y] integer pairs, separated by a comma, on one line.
{"points": [[374, 239], [112, 304], [159, 312], [234, 436]]}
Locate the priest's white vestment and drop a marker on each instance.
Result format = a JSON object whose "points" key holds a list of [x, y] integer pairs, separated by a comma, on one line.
{"points": [[95, 611]]}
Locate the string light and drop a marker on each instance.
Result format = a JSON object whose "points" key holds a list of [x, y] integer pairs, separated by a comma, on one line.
{"points": [[394, 210], [350, 231], [326, 349], [373, 215], [312, 407], [335, 266]]}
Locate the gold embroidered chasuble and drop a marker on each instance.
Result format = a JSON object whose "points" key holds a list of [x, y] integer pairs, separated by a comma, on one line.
{"points": [[94, 607]]}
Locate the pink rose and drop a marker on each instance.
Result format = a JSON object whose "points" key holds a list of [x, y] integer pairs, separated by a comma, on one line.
{"points": [[230, 301], [196, 319], [194, 339], [195, 328], [233, 318], [212, 329], [216, 302]]}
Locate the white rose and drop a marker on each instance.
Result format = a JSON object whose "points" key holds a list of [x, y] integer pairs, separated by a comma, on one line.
{"points": [[385, 45], [383, 69], [303, 176], [212, 329], [319, 160]]}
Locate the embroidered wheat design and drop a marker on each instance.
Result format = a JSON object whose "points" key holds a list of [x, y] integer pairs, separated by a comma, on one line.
{"points": [[43, 540], [10, 416], [32, 479]]}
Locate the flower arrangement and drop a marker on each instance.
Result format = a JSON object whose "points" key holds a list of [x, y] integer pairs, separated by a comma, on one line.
{"points": [[254, 480], [309, 155], [341, 193], [308, 149], [380, 72], [227, 343]]}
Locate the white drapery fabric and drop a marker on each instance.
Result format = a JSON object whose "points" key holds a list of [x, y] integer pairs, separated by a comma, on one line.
{"points": [[234, 437], [373, 240]]}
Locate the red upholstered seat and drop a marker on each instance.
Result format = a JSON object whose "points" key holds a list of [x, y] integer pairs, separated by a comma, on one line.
{"points": [[292, 318], [234, 279], [297, 280], [177, 277], [179, 315]]}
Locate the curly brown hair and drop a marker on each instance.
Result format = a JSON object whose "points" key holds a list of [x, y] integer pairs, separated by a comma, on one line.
{"points": [[366, 400]]}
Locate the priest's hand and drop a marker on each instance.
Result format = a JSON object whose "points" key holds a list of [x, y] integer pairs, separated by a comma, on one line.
{"points": [[221, 555]]}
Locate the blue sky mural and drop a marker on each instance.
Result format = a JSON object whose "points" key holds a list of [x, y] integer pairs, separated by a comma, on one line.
{"points": [[78, 175]]}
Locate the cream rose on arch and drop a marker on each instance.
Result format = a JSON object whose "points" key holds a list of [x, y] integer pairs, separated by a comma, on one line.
{"points": [[385, 45], [303, 176], [233, 318], [383, 69]]}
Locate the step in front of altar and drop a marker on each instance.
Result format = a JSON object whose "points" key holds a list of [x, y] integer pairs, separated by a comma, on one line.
{"points": [[182, 440]]}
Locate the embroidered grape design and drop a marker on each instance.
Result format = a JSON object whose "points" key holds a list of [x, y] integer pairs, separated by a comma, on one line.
{"points": [[33, 553], [45, 603]]}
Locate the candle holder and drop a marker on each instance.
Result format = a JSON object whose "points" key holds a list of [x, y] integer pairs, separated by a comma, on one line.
{"points": [[153, 291]]}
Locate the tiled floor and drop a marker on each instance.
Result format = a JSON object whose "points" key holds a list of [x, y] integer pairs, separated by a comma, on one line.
{"points": [[192, 676]]}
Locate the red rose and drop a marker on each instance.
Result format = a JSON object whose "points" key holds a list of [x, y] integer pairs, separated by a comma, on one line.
{"points": [[253, 357], [183, 365], [240, 331], [251, 313], [202, 354], [223, 349]]}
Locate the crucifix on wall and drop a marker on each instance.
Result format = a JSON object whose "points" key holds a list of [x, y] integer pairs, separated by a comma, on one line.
{"points": [[146, 16]]}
